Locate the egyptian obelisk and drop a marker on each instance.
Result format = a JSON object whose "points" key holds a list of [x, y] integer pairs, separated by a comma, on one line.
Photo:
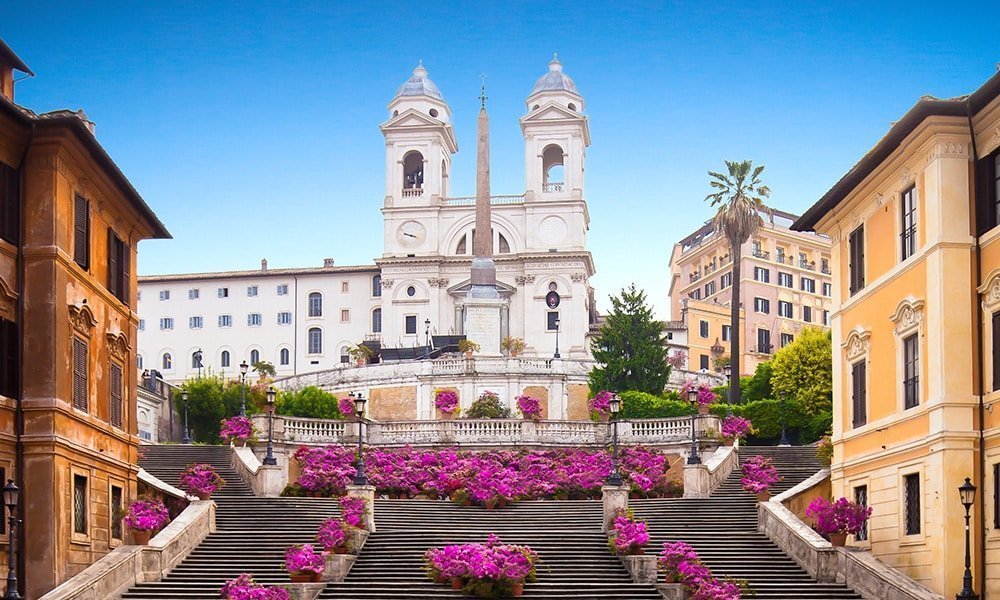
{"points": [[482, 304]]}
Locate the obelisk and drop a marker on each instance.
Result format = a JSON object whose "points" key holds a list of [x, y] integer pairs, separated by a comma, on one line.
{"points": [[482, 304]]}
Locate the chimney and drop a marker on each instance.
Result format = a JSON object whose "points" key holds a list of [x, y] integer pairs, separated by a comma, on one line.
{"points": [[263, 264], [10, 62], [327, 262]]}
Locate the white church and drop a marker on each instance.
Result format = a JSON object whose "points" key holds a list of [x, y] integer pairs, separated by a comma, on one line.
{"points": [[408, 303]]}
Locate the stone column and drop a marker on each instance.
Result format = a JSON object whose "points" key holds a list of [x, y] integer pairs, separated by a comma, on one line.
{"points": [[697, 481], [614, 498], [366, 493]]}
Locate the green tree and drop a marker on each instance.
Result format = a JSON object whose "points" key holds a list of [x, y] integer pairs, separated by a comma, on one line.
{"points": [[211, 399], [803, 370], [630, 347], [758, 385], [309, 401], [739, 202], [265, 368]]}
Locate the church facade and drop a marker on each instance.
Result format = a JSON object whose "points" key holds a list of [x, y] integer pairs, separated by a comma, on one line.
{"points": [[305, 320]]}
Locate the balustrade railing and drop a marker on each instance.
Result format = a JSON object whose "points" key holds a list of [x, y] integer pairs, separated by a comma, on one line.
{"points": [[303, 429], [412, 192], [555, 186]]}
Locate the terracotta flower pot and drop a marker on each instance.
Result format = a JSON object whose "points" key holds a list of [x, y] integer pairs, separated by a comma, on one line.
{"points": [[491, 504], [446, 416], [838, 540], [204, 495], [604, 417], [141, 538], [636, 551], [763, 496], [702, 409], [457, 583], [728, 441], [304, 577], [517, 589], [339, 549], [670, 578]]}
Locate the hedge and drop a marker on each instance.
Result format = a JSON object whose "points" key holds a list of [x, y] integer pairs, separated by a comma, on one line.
{"points": [[640, 405]]}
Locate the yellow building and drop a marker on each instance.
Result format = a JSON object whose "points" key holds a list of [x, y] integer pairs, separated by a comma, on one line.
{"points": [[785, 286], [916, 334]]}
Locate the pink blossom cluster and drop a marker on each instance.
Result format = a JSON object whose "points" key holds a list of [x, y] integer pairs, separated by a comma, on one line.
{"points": [[601, 402], [494, 561], [245, 588], [147, 515], [736, 427], [677, 359], [200, 479], [346, 406], [446, 401], [841, 516], [332, 533], [705, 394], [529, 405], [236, 429], [681, 564], [495, 475], [353, 511], [304, 559], [628, 534], [759, 474]]}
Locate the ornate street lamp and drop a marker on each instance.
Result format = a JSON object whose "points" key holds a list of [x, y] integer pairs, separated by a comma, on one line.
{"points": [[187, 434], [693, 458], [427, 338], [615, 477], [11, 495], [359, 409], [784, 424], [728, 370], [243, 388], [269, 459], [967, 492], [556, 354]]}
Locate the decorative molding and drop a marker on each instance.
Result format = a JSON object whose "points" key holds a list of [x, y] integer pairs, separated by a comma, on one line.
{"points": [[82, 319], [990, 290], [524, 279], [906, 177], [387, 284], [948, 150], [8, 301], [437, 282], [578, 277], [879, 200], [118, 345], [996, 134], [857, 344], [908, 316]]}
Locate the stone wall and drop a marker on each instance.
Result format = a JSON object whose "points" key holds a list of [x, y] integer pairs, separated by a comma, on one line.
{"points": [[393, 403], [577, 406]]}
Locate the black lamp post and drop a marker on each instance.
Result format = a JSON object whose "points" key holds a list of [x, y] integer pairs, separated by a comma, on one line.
{"points": [[693, 458], [615, 477], [11, 495], [359, 409], [556, 354], [243, 388], [269, 459], [427, 338], [967, 491], [784, 424], [187, 434], [728, 370]]}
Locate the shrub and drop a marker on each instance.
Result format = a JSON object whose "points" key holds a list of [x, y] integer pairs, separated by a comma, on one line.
{"points": [[766, 416], [842, 516], [309, 401], [640, 405], [757, 386], [488, 406], [211, 399]]}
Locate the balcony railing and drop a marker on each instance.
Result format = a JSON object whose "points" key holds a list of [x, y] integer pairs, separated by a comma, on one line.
{"points": [[494, 200], [761, 253], [825, 271], [553, 186], [413, 192], [808, 265], [695, 276]]}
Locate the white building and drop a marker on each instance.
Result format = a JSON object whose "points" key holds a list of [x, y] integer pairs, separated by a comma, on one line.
{"points": [[305, 320]]}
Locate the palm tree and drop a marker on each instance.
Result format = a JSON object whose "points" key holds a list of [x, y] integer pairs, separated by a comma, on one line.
{"points": [[739, 200]]}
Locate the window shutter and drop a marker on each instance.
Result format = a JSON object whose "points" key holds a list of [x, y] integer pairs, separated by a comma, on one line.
{"points": [[81, 232], [113, 274], [79, 374], [116, 396], [125, 266], [996, 351], [9, 349], [10, 204], [860, 394]]}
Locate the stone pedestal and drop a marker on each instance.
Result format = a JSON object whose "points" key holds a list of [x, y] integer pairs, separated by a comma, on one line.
{"points": [[697, 481], [367, 493], [614, 498], [271, 480], [642, 568], [672, 591], [303, 591], [482, 323], [338, 566]]}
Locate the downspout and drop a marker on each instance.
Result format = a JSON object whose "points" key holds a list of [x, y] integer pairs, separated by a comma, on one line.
{"points": [[19, 410], [981, 359], [295, 325]]}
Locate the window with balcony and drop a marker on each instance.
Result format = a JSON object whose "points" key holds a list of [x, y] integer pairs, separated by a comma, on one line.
{"points": [[785, 280], [785, 309], [911, 374]]}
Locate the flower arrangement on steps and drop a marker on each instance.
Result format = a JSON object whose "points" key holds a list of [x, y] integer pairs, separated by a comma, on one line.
{"points": [[303, 563], [237, 430], [600, 406], [759, 475], [836, 520], [245, 588], [201, 480], [530, 407], [490, 570], [734, 428], [346, 406], [144, 517], [353, 511], [446, 401], [503, 476], [627, 536], [679, 563], [334, 536]]}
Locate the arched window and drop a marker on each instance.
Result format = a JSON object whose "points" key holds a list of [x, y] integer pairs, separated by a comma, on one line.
{"points": [[345, 354], [504, 245], [168, 362], [413, 171], [315, 340], [552, 168], [254, 357], [224, 360], [284, 356], [196, 359], [377, 320], [377, 286], [463, 246], [315, 304]]}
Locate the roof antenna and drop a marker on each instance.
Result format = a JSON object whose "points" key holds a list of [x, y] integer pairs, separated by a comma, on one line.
{"points": [[482, 96]]}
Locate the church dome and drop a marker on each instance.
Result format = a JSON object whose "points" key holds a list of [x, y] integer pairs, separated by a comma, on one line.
{"points": [[555, 80], [419, 85]]}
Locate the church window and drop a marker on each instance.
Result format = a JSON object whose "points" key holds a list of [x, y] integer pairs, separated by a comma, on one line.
{"points": [[552, 320], [377, 320], [411, 291], [411, 324], [377, 286], [572, 106], [553, 286], [504, 245], [433, 112], [167, 362], [463, 245], [552, 168], [413, 171]]}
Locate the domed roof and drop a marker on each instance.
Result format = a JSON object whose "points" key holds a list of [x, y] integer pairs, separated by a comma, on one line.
{"points": [[555, 79], [419, 85]]}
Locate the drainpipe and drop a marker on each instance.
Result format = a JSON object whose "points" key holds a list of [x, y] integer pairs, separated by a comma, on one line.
{"points": [[295, 325], [981, 359]]}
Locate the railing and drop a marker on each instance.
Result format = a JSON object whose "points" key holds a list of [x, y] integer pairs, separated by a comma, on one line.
{"points": [[710, 268], [810, 265], [494, 200], [695, 277], [412, 192], [825, 271], [313, 430], [761, 254], [555, 186]]}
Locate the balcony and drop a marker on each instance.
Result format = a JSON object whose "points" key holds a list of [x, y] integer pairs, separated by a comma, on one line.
{"points": [[710, 268], [494, 200], [695, 276], [413, 192], [807, 265], [826, 271], [764, 254], [554, 186]]}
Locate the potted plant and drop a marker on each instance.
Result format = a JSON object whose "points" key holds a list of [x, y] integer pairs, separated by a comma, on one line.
{"points": [[628, 536], [346, 406], [236, 430], [488, 406], [353, 511], [600, 406], [446, 401], [734, 428], [244, 587], [530, 407], [361, 354], [706, 397], [512, 345], [303, 563], [673, 555], [333, 535], [468, 347], [836, 520], [201, 480], [143, 517], [759, 475]]}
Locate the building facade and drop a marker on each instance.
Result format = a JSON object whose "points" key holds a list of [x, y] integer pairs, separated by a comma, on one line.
{"points": [[418, 287], [915, 228], [70, 223], [786, 285]]}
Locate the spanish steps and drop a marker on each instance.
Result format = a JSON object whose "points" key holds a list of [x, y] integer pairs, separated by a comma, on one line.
{"points": [[253, 533]]}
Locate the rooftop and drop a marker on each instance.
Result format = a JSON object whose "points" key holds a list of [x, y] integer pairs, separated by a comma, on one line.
{"points": [[419, 85], [555, 80], [256, 273]]}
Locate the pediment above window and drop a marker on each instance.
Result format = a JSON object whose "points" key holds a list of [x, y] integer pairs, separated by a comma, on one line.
{"points": [[990, 290], [908, 315], [857, 344]]}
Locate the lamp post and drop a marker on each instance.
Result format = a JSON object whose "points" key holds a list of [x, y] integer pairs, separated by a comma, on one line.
{"points": [[693, 458], [243, 388], [728, 370], [187, 434], [967, 492], [784, 425], [269, 459], [615, 477], [11, 495], [359, 409], [556, 354], [427, 338]]}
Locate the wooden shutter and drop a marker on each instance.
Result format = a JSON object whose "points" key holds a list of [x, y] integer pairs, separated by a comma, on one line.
{"points": [[116, 395], [996, 351], [79, 374], [9, 350], [81, 232], [10, 204], [125, 267], [859, 391], [113, 274]]}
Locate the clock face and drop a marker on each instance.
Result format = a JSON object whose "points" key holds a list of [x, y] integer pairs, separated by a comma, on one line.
{"points": [[411, 234]]}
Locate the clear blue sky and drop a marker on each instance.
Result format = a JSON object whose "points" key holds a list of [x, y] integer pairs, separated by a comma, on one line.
{"points": [[252, 128]]}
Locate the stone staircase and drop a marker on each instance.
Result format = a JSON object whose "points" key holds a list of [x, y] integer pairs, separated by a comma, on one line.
{"points": [[723, 530], [167, 461]]}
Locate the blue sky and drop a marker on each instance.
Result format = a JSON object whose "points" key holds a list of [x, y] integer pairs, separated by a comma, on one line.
{"points": [[252, 128]]}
